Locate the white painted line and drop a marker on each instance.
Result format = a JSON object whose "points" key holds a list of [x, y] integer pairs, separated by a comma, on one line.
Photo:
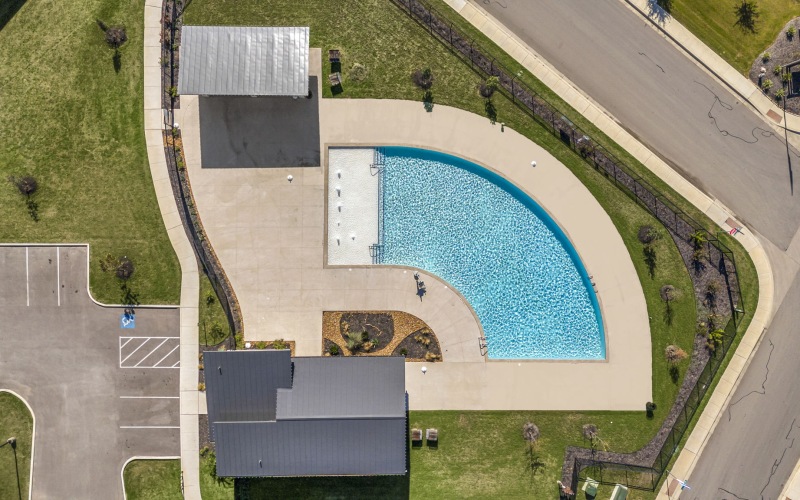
{"points": [[150, 353], [149, 397], [147, 367], [27, 278], [175, 365], [58, 274], [131, 354], [149, 427], [165, 357], [149, 337], [126, 342]]}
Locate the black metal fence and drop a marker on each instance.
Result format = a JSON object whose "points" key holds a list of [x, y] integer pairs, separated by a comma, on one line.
{"points": [[643, 469], [170, 41]]}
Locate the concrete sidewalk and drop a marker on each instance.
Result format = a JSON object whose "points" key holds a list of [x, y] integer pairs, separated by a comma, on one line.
{"points": [[190, 284], [717, 212]]}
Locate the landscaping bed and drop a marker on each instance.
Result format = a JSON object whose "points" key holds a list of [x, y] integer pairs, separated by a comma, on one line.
{"points": [[784, 50], [378, 333]]}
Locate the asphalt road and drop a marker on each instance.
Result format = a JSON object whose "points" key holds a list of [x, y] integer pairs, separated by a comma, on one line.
{"points": [[723, 147], [667, 102], [63, 353]]}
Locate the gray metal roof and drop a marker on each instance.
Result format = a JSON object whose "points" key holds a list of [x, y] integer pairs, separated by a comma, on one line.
{"points": [[312, 448], [242, 385], [250, 61], [365, 387], [325, 416]]}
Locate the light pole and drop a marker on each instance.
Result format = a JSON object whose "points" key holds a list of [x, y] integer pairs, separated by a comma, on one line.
{"points": [[13, 442]]}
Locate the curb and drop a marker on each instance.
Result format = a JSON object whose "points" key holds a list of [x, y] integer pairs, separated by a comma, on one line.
{"points": [[712, 208], [128, 461], [33, 437]]}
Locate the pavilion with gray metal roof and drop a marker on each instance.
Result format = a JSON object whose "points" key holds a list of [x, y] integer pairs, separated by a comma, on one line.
{"points": [[243, 61], [273, 415]]}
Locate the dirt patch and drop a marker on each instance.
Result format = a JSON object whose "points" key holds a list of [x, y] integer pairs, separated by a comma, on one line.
{"points": [[384, 331], [785, 50]]}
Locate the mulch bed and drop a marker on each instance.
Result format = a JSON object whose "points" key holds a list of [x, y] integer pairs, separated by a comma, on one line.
{"points": [[783, 51], [415, 350], [394, 330]]}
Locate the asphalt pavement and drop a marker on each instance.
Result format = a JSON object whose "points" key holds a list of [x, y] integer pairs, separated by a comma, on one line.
{"points": [[669, 103], [720, 144], [63, 353]]}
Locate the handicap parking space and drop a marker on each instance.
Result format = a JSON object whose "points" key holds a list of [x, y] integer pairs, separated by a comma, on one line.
{"points": [[103, 381]]}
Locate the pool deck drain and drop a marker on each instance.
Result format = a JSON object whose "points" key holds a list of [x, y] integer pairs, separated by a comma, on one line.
{"points": [[269, 234]]}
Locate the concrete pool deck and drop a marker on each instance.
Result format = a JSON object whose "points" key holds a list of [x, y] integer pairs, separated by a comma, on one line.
{"points": [[269, 235]]}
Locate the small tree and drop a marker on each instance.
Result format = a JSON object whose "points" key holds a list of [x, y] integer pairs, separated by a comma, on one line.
{"points": [[766, 85], [746, 15], [423, 79], [488, 87], [530, 432], [124, 269], [698, 238], [26, 184], [354, 340], [791, 31]]}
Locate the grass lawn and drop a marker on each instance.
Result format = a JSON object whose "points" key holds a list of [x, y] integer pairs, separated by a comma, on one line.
{"points": [[214, 326], [713, 22], [15, 421], [482, 454], [153, 480], [68, 119]]}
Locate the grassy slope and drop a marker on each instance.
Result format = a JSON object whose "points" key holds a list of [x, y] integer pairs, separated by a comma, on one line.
{"points": [[398, 47], [713, 22], [153, 480], [70, 120], [211, 314], [16, 421]]}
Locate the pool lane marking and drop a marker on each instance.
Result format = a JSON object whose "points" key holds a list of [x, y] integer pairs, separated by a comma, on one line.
{"points": [[27, 278], [150, 353], [165, 357], [58, 274], [131, 354]]}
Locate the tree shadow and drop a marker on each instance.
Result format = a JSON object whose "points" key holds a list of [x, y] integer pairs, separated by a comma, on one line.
{"points": [[533, 462], [746, 16], [129, 296], [427, 101], [491, 110], [117, 60], [659, 10], [650, 260], [669, 314], [8, 8]]}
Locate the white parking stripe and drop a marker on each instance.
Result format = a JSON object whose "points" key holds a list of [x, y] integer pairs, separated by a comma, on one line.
{"points": [[165, 357], [131, 354], [149, 397], [175, 365], [58, 274], [149, 427], [27, 278], [126, 342], [150, 353]]}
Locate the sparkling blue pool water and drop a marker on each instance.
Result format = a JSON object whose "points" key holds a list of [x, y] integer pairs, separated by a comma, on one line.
{"points": [[497, 247]]}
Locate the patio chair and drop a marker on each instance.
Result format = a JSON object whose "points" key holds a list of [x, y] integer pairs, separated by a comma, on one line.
{"points": [[590, 487], [333, 56], [432, 437], [416, 437], [335, 79]]}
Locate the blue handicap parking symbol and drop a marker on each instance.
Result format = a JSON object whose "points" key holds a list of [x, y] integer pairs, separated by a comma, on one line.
{"points": [[127, 320]]}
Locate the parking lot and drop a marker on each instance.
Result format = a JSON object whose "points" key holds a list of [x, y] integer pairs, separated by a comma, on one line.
{"points": [[102, 381]]}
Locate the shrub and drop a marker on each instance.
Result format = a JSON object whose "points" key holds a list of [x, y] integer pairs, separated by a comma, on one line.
{"points": [[173, 92], [649, 408], [116, 36], [786, 77], [358, 73], [210, 298], [714, 339], [280, 344], [780, 94], [201, 367], [590, 432], [423, 79], [217, 330], [429, 356], [766, 84], [674, 354], [404, 351], [697, 238], [204, 451], [201, 386], [124, 269], [766, 56], [334, 350], [353, 341], [791, 31], [530, 432], [26, 185], [777, 70]]}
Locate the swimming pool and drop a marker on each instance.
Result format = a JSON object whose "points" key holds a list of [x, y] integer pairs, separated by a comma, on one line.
{"points": [[497, 247]]}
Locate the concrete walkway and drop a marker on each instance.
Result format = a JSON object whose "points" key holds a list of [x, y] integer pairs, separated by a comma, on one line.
{"points": [[269, 235], [712, 208], [190, 284]]}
